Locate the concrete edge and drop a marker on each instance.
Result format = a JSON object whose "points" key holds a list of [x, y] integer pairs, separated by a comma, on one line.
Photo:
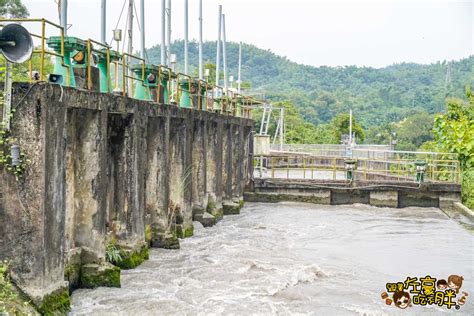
{"points": [[464, 209]]}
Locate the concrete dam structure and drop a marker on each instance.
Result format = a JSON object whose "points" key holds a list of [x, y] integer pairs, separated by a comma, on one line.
{"points": [[110, 176]]}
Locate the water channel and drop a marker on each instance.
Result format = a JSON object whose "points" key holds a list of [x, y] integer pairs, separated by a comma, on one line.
{"points": [[294, 258]]}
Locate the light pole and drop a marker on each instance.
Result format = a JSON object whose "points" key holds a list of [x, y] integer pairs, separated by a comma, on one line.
{"points": [[173, 83]]}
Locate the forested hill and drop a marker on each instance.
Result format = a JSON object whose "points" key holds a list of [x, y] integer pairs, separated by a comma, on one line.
{"points": [[378, 96]]}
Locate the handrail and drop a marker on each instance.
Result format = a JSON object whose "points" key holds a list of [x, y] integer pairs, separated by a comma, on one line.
{"points": [[43, 51], [444, 171], [224, 98], [160, 79], [179, 90], [127, 67], [91, 49]]}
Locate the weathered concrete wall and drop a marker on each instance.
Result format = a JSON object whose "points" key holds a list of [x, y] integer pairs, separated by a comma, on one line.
{"points": [[110, 170]]}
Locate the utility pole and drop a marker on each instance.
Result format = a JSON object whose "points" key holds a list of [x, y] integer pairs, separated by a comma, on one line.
{"points": [[163, 32], [103, 21], [200, 41], [185, 37], [218, 54], [239, 80], [142, 21], [63, 16], [224, 57], [130, 46], [168, 40]]}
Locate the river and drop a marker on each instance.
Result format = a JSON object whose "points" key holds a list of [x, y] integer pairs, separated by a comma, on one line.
{"points": [[294, 258]]}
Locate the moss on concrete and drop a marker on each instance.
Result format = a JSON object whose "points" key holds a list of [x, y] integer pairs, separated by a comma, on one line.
{"points": [[211, 206], [182, 232], [188, 232], [132, 258], [148, 234], [72, 274], [12, 300], [95, 275], [56, 303], [231, 208]]}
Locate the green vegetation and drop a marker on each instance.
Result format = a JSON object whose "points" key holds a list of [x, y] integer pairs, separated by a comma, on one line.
{"points": [[12, 301], [93, 275], [454, 133], [125, 258], [112, 253], [56, 303], [377, 96], [13, 9]]}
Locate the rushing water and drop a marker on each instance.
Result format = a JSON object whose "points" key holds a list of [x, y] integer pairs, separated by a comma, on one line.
{"points": [[291, 258]]}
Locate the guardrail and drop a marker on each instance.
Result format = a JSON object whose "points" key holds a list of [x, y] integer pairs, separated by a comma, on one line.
{"points": [[307, 166], [216, 98], [42, 51]]}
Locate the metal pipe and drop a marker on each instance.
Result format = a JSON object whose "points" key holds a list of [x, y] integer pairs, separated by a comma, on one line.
{"points": [[282, 130], [168, 39], [218, 54], [64, 16], [350, 127], [224, 53], [163, 32], [186, 37], [103, 21], [200, 41], [142, 21], [240, 68]]}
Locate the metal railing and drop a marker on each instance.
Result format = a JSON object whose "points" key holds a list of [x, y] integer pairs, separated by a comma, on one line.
{"points": [[215, 98], [307, 166], [90, 50], [42, 51]]}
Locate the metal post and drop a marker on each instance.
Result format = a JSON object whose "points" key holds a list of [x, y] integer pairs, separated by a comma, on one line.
{"points": [[7, 102], [186, 37], [218, 54], [142, 21], [240, 68], [282, 113], [130, 46], [163, 32], [64, 16], [168, 39], [350, 127], [224, 54], [103, 21], [200, 41]]}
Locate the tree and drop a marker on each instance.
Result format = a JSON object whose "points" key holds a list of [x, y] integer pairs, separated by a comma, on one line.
{"points": [[13, 9], [340, 125], [414, 130], [454, 133]]}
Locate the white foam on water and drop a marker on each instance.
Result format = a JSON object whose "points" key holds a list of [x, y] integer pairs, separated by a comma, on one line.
{"points": [[292, 258]]}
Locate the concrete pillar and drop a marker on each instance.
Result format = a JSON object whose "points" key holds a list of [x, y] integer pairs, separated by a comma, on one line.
{"points": [[157, 184], [199, 183], [213, 164], [180, 177], [32, 209], [86, 180], [126, 156]]}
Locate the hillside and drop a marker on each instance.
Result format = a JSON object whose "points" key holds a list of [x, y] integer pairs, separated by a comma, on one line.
{"points": [[378, 96]]}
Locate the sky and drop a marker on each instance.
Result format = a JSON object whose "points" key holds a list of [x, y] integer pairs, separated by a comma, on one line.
{"points": [[318, 32]]}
